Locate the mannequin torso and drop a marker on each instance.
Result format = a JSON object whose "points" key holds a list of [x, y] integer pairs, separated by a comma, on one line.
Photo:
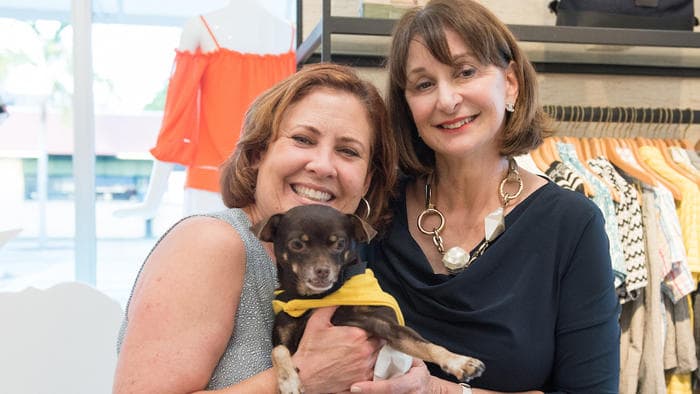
{"points": [[234, 25], [231, 28]]}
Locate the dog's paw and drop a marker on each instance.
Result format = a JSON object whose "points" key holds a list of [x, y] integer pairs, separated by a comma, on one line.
{"points": [[464, 368], [288, 380], [289, 385]]}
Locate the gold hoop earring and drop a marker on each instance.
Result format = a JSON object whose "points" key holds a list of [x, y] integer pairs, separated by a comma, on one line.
{"points": [[368, 208]]}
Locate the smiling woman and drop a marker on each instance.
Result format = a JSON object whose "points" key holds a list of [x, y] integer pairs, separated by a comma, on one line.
{"points": [[328, 125], [485, 281], [320, 136], [432, 84], [269, 120]]}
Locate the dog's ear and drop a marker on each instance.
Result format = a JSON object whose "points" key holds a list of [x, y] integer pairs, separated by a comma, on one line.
{"points": [[266, 229], [363, 232]]}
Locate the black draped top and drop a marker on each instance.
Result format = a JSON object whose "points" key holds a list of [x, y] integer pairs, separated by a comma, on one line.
{"points": [[538, 307]]}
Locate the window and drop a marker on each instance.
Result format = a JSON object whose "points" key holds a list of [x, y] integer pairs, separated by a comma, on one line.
{"points": [[131, 64]]}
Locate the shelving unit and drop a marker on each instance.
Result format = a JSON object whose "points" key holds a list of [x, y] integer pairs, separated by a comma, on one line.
{"points": [[550, 48]]}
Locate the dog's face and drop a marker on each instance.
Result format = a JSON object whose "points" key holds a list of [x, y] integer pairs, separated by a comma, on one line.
{"points": [[313, 244]]}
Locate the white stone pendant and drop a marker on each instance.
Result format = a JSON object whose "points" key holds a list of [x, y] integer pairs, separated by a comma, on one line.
{"points": [[455, 258], [494, 224]]}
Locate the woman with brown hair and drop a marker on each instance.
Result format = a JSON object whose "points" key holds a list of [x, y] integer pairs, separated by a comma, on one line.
{"points": [[485, 258], [200, 314]]}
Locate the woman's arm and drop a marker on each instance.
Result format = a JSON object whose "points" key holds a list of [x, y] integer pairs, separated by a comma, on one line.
{"points": [[180, 313], [330, 358], [587, 358], [418, 380]]}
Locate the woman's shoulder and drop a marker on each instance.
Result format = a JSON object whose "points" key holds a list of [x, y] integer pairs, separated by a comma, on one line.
{"points": [[204, 236], [567, 197], [197, 249], [557, 203], [206, 226]]}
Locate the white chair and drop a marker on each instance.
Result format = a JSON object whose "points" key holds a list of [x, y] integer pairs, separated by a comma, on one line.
{"points": [[7, 235], [61, 340]]}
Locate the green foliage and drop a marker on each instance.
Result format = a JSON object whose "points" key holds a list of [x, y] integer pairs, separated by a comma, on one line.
{"points": [[9, 59], [158, 102]]}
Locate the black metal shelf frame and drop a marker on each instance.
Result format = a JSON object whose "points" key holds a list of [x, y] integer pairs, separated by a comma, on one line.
{"points": [[330, 25]]}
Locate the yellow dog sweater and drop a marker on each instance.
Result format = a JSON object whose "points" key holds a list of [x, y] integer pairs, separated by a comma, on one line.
{"points": [[361, 289]]}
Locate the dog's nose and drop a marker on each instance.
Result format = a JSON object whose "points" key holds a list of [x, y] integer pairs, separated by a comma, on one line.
{"points": [[322, 272]]}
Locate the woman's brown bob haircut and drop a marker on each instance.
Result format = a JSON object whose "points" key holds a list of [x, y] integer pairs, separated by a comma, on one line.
{"points": [[261, 124], [492, 44]]}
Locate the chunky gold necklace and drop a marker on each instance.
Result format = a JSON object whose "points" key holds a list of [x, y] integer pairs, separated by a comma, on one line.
{"points": [[457, 259]]}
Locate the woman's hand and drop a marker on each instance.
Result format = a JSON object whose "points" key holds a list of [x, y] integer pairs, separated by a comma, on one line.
{"points": [[416, 380], [330, 358]]}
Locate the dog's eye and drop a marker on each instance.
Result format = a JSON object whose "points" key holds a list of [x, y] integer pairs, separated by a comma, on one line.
{"points": [[296, 245], [339, 245]]}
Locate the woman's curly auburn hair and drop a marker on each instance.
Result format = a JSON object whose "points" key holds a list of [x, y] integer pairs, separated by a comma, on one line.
{"points": [[261, 124]]}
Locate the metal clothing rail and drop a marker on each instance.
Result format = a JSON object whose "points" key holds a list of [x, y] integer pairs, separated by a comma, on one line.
{"points": [[573, 113]]}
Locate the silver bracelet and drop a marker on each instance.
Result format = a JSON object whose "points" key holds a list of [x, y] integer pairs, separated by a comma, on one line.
{"points": [[466, 389]]}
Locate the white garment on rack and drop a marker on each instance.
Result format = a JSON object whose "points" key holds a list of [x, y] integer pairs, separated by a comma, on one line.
{"points": [[525, 161]]}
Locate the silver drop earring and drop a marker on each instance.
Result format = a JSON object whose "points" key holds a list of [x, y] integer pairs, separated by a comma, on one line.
{"points": [[510, 107]]}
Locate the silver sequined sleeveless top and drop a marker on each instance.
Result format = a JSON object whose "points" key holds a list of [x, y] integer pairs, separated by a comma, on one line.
{"points": [[248, 350]]}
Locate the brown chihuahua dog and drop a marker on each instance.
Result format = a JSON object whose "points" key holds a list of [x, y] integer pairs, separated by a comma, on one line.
{"points": [[316, 251]]}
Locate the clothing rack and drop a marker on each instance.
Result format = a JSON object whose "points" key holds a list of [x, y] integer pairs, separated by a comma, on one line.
{"points": [[574, 113]]}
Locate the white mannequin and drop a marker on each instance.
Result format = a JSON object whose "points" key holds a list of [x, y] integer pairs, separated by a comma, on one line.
{"points": [[244, 26]]}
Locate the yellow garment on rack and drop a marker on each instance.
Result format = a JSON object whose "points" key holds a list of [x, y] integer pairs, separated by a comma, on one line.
{"points": [[360, 289], [681, 383], [678, 384], [688, 208]]}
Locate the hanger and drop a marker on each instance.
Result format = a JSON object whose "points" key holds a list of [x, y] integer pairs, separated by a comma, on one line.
{"points": [[666, 153], [583, 140], [552, 143], [586, 149], [635, 143], [680, 146], [583, 155], [642, 139], [610, 146], [620, 122], [683, 141], [609, 143], [595, 143], [575, 116], [634, 124], [601, 131], [539, 161], [669, 137]]}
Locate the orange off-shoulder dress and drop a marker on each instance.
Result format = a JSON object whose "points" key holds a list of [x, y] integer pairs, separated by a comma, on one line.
{"points": [[207, 97]]}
